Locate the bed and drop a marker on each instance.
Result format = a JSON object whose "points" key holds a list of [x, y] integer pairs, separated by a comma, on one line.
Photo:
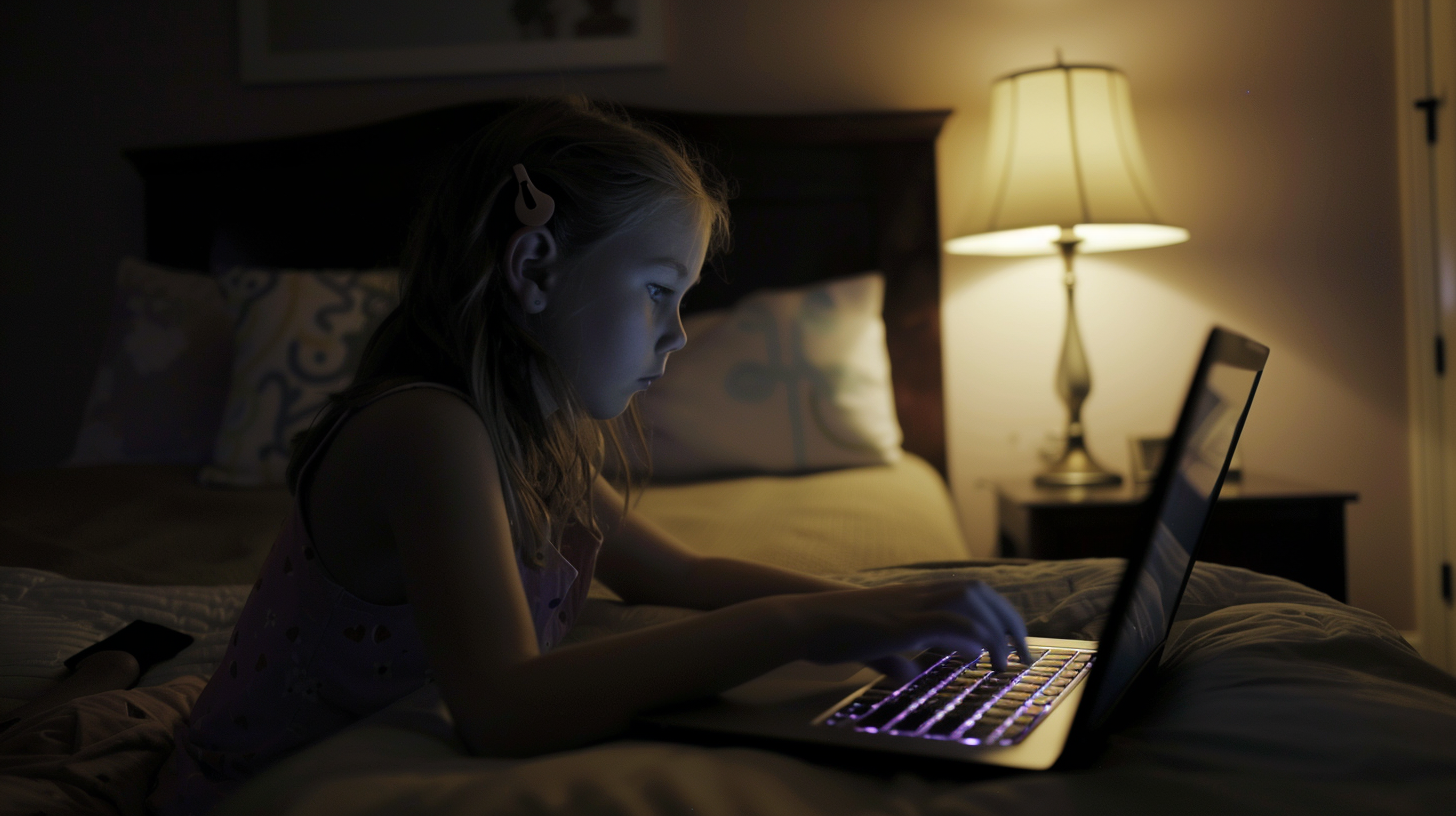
{"points": [[1271, 697]]}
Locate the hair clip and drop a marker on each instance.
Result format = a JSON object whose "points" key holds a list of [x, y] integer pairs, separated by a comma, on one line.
{"points": [[533, 207]]}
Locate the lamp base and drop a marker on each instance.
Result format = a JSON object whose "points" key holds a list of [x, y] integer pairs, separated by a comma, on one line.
{"points": [[1077, 468]]}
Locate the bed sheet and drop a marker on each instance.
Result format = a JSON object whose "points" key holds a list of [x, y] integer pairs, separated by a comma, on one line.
{"points": [[1271, 698], [821, 523]]}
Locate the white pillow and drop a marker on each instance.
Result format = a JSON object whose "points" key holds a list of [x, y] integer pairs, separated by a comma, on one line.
{"points": [[297, 338], [786, 381]]}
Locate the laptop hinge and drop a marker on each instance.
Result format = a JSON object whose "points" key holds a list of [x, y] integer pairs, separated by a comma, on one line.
{"points": [[1446, 582], [1440, 355]]}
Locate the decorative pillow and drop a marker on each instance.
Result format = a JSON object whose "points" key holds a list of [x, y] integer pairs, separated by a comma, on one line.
{"points": [[786, 381], [159, 389], [298, 336]]}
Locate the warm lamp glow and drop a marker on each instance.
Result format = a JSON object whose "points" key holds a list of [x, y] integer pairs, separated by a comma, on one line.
{"points": [[1044, 240], [1064, 155]]}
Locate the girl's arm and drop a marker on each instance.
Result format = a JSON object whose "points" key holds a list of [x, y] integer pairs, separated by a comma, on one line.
{"points": [[431, 478], [645, 564]]}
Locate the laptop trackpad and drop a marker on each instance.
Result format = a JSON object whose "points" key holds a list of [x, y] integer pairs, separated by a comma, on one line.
{"points": [[800, 679]]}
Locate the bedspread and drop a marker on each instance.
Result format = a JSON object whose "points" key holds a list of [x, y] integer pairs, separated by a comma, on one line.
{"points": [[96, 754], [1271, 698], [45, 618]]}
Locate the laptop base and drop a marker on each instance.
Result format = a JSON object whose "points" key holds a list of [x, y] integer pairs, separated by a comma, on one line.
{"points": [[877, 764]]}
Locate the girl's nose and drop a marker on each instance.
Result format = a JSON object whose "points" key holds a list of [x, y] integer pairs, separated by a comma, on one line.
{"points": [[674, 338]]}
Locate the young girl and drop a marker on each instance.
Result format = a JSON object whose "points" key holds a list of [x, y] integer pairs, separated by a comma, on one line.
{"points": [[450, 509]]}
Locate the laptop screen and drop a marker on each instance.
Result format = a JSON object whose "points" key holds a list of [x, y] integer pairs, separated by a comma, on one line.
{"points": [[1217, 409]]}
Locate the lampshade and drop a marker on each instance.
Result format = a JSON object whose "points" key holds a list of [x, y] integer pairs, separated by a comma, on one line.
{"points": [[1064, 161]]}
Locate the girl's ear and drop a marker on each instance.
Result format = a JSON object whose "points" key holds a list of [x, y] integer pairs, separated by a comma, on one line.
{"points": [[530, 254]]}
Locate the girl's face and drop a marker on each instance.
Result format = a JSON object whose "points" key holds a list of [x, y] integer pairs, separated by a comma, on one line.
{"points": [[611, 314]]}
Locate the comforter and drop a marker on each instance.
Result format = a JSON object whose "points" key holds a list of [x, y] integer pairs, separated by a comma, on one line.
{"points": [[1271, 698]]}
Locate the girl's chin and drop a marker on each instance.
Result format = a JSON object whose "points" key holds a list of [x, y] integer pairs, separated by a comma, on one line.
{"points": [[611, 406], [602, 411]]}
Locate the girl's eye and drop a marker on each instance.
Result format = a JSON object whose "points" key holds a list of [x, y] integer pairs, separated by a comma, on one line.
{"points": [[657, 292]]}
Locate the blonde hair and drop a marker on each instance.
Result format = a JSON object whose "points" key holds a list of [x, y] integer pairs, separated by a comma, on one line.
{"points": [[453, 324]]}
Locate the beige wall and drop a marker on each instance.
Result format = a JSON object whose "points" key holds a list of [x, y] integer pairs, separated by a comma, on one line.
{"points": [[1268, 125]]}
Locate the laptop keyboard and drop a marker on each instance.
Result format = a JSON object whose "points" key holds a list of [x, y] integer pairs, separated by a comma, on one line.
{"points": [[957, 699]]}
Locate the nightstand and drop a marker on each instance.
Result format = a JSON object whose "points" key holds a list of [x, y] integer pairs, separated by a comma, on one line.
{"points": [[1265, 524]]}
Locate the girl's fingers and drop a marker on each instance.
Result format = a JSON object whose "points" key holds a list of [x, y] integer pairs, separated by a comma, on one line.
{"points": [[988, 616], [1008, 621], [1015, 626], [894, 667], [966, 616], [954, 631], [983, 602]]}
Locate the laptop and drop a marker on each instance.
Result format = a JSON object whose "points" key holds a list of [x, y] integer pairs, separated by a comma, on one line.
{"points": [[1053, 705]]}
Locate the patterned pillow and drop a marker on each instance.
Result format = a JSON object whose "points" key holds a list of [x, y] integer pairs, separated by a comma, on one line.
{"points": [[298, 337], [786, 381], [159, 389]]}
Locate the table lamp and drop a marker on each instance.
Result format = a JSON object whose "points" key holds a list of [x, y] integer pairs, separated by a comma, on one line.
{"points": [[1065, 174]]}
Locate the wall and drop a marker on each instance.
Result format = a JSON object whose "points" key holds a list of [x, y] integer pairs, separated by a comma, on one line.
{"points": [[1268, 124]]}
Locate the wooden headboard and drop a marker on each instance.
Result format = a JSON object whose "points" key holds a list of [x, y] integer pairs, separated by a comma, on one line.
{"points": [[818, 197]]}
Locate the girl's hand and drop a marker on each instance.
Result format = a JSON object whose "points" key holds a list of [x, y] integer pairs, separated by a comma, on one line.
{"points": [[873, 625]]}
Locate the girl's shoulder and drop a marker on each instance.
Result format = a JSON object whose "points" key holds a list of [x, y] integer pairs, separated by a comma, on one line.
{"points": [[417, 400], [421, 422], [416, 458]]}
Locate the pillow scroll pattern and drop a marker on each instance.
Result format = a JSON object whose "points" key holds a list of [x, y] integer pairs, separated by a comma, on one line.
{"points": [[787, 381], [752, 381], [298, 337], [163, 376]]}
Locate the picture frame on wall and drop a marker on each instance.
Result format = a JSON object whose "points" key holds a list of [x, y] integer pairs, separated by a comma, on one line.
{"points": [[1145, 455], [283, 41]]}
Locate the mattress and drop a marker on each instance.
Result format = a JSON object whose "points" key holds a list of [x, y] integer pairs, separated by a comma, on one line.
{"points": [[153, 524], [142, 524]]}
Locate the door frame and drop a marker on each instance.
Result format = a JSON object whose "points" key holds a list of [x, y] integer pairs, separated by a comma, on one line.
{"points": [[1425, 55]]}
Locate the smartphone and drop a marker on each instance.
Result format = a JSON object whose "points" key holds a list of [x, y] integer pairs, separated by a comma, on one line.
{"points": [[149, 643]]}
